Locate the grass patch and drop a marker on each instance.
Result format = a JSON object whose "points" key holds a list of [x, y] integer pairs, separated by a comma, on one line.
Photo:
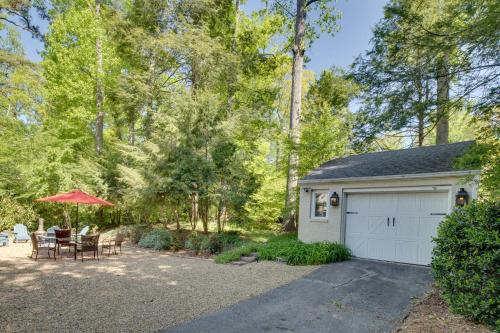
{"points": [[289, 248]]}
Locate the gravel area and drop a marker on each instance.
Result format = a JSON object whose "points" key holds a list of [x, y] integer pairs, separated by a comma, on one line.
{"points": [[140, 291]]}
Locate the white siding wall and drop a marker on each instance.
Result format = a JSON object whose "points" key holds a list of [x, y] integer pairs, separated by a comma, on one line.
{"points": [[314, 230]]}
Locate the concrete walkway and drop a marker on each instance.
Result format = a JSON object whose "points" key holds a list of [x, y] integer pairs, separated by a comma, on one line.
{"points": [[353, 296]]}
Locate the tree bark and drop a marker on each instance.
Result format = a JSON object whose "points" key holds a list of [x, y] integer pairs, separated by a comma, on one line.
{"points": [[194, 211], [290, 221], [99, 99], [443, 97], [177, 222], [148, 121]]}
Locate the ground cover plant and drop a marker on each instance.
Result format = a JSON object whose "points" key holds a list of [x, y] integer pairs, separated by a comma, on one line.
{"points": [[466, 261], [288, 248]]}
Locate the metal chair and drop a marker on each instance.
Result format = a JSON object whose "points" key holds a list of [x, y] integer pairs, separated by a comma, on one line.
{"points": [[63, 238], [37, 247], [88, 244], [113, 243]]}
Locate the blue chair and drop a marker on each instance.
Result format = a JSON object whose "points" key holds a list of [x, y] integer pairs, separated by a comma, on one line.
{"points": [[21, 233], [84, 231], [52, 231], [4, 239]]}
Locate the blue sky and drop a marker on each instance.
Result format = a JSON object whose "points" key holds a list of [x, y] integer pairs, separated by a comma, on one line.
{"points": [[358, 18]]}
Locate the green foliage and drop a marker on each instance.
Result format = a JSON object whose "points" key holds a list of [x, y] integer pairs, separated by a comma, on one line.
{"points": [[219, 242], [135, 233], [12, 213], [295, 252], [289, 248], [466, 260], [236, 253], [158, 239], [197, 242]]}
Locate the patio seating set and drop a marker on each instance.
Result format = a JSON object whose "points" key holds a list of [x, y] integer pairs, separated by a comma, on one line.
{"points": [[55, 238]]}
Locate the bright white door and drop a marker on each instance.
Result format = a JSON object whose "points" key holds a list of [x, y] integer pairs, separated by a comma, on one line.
{"points": [[394, 226]]}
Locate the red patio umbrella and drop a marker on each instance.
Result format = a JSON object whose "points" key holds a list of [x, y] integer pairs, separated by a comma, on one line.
{"points": [[78, 197]]}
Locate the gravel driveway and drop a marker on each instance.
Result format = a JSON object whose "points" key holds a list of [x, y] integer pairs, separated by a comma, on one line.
{"points": [[140, 291]]}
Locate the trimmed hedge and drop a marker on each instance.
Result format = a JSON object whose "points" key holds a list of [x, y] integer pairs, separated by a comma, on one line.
{"points": [[159, 239], [466, 261]]}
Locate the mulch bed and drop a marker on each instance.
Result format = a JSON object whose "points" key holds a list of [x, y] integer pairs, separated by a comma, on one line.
{"points": [[430, 314]]}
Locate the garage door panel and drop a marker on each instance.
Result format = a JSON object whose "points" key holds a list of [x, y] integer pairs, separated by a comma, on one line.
{"points": [[406, 251], [425, 253], [433, 203], [360, 203], [358, 246], [380, 248], [428, 226], [381, 203], [407, 204], [357, 224], [409, 239], [406, 227], [378, 226]]}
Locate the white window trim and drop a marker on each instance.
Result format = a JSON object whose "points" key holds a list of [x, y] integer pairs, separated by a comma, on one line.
{"points": [[313, 206]]}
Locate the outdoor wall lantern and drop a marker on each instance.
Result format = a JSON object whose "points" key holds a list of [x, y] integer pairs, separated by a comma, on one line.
{"points": [[462, 197], [334, 199]]}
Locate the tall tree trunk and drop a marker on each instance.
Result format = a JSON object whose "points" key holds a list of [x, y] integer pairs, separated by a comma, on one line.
{"points": [[443, 97], [177, 222], [131, 133], [420, 111], [148, 121], [194, 211], [99, 98], [290, 220]]}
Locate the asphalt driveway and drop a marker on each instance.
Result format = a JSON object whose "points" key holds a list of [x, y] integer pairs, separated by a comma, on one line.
{"points": [[352, 296]]}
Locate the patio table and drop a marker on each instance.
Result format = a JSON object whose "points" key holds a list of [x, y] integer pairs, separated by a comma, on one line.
{"points": [[52, 239]]}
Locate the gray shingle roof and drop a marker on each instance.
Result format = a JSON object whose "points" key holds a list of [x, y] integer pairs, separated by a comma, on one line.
{"points": [[429, 159]]}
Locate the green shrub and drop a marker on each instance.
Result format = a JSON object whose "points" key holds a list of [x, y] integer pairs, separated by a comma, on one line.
{"points": [[466, 261], [159, 239], [177, 242], [213, 244], [217, 243], [196, 242], [296, 252], [290, 249], [12, 212], [236, 253], [135, 233]]}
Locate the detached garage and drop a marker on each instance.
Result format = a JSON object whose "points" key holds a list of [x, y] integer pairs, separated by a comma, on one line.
{"points": [[385, 205]]}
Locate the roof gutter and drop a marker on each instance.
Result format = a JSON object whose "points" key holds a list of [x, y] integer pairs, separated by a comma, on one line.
{"points": [[407, 176]]}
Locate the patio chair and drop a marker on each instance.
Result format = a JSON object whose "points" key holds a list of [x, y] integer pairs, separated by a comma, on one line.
{"points": [[84, 231], [21, 233], [88, 243], [52, 230], [4, 239], [37, 247], [113, 243], [63, 238]]}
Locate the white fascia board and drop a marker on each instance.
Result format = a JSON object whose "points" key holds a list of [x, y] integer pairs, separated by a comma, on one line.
{"points": [[437, 188], [457, 173]]}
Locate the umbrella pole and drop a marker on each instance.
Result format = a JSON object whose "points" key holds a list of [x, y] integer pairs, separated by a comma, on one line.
{"points": [[76, 227]]}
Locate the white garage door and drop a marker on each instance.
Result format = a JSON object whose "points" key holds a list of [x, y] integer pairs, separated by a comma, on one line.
{"points": [[394, 226]]}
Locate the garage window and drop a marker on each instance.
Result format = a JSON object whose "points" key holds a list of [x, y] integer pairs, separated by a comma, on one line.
{"points": [[319, 204]]}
